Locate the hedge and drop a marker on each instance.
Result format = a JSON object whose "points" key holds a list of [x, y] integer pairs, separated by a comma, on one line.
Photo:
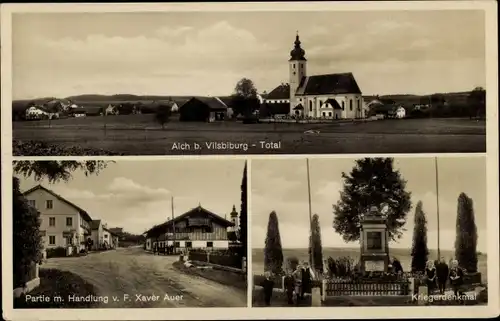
{"points": [[216, 257], [56, 252]]}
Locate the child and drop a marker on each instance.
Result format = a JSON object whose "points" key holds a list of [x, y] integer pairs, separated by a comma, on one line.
{"points": [[456, 277]]}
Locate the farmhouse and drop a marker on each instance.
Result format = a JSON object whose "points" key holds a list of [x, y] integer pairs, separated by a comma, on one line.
{"points": [[63, 223], [333, 96], [196, 229], [40, 112], [207, 109], [110, 239], [97, 234]]}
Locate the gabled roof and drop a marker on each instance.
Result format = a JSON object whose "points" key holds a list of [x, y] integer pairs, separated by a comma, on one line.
{"points": [[280, 92], [110, 231], [334, 103], [198, 209], [94, 225], [82, 212], [298, 107], [213, 103], [328, 84]]}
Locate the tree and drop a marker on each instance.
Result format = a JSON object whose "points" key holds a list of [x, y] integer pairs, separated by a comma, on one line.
{"points": [[243, 213], [27, 241], [315, 247], [419, 250], [56, 171], [372, 182], [162, 114], [466, 234], [273, 253], [244, 100], [477, 101]]}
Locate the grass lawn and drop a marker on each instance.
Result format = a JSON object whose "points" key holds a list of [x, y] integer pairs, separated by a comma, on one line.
{"points": [[140, 135], [232, 279], [56, 284]]}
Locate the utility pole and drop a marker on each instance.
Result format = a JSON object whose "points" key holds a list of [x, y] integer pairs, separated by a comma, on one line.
{"points": [[437, 206], [310, 214], [173, 226]]}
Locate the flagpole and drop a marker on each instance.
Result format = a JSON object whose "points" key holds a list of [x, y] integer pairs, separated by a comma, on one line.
{"points": [[173, 226], [310, 214], [437, 206]]}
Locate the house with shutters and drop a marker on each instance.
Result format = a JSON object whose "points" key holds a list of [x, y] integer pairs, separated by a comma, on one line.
{"points": [[63, 224], [331, 96], [198, 228]]}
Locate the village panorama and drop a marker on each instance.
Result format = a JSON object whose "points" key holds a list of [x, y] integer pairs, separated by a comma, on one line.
{"points": [[309, 114]]}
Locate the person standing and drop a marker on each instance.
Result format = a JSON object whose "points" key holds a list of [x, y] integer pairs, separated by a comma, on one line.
{"points": [[430, 274], [442, 271], [289, 285], [456, 278], [268, 285], [297, 276], [307, 275]]}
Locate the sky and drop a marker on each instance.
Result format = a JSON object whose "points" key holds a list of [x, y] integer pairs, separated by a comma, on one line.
{"points": [[206, 53], [136, 195], [281, 185]]}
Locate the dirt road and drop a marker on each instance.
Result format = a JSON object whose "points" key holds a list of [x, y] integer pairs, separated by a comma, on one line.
{"points": [[131, 278]]}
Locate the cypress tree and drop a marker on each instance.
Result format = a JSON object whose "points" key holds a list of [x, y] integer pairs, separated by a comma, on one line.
{"points": [[419, 250], [273, 253], [315, 246], [466, 234], [243, 213]]}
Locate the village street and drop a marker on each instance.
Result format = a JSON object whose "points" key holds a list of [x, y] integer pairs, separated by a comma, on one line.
{"points": [[129, 277]]}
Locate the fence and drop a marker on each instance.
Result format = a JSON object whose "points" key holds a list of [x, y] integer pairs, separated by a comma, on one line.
{"points": [[229, 260], [366, 288]]}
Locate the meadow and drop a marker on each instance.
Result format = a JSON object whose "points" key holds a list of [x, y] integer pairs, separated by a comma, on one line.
{"points": [[402, 254], [141, 135]]}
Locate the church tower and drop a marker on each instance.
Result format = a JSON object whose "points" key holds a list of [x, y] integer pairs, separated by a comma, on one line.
{"points": [[297, 67], [234, 219]]}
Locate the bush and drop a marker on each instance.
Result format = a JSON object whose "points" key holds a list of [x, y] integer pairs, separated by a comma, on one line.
{"points": [[342, 267], [56, 252]]}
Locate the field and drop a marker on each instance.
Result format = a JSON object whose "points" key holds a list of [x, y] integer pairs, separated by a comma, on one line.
{"points": [[402, 254], [140, 135]]}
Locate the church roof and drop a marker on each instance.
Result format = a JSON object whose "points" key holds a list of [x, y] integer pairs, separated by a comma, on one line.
{"points": [[333, 103], [328, 84], [280, 92]]}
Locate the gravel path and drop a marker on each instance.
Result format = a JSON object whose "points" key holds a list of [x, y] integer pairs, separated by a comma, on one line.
{"points": [[124, 274]]}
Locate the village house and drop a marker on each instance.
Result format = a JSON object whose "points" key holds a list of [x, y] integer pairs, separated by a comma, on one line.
{"points": [[203, 109], [196, 229], [332, 96], [97, 235], [63, 224], [110, 239], [40, 112]]}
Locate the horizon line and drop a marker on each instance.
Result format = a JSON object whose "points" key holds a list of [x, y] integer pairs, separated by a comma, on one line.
{"points": [[357, 248], [225, 95]]}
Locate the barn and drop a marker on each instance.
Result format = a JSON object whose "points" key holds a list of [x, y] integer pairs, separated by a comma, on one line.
{"points": [[203, 109]]}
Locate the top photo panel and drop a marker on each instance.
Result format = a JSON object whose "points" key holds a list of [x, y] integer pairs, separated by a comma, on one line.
{"points": [[248, 82]]}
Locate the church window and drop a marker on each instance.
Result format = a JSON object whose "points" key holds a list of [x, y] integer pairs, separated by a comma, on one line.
{"points": [[294, 72], [293, 66], [324, 114], [359, 103], [330, 114], [310, 105], [350, 104], [343, 105]]}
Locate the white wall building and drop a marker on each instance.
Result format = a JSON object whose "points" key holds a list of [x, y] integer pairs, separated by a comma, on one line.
{"points": [[331, 96], [63, 224]]}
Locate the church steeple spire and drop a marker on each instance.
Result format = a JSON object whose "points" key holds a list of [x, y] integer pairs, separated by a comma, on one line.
{"points": [[297, 52]]}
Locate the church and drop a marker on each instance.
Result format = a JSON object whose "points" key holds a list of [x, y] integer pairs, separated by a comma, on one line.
{"points": [[331, 96]]}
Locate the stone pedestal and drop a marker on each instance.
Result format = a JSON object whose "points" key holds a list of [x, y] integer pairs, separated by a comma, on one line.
{"points": [[316, 297], [374, 240]]}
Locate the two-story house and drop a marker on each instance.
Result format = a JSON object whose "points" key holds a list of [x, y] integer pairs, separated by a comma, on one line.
{"points": [[97, 235], [196, 229], [110, 239], [63, 224]]}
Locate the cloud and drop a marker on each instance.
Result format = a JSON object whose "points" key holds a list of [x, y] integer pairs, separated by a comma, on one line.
{"points": [[167, 31]]}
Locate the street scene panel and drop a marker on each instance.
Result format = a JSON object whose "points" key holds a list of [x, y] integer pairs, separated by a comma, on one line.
{"points": [[129, 234], [315, 82], [369, 232]]}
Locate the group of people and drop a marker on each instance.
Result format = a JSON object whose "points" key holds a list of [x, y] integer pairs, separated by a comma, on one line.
{"points": [[438, 273], [296, 283]]}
